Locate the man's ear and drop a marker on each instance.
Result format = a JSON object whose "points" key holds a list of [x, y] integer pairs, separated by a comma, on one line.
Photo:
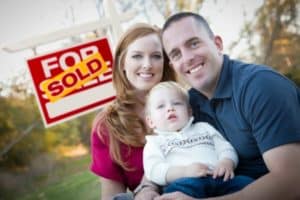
{"points": [[219, 43], [149, 122]]}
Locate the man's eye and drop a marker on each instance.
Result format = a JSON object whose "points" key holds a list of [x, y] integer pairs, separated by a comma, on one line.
{"points": [[175, 56], [194, 44]]}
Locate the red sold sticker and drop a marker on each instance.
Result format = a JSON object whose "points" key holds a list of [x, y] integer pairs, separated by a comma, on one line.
{"points": [[72, 81]]}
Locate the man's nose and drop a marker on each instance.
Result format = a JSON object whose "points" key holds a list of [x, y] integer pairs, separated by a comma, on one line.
{"points": [[187, 56]]}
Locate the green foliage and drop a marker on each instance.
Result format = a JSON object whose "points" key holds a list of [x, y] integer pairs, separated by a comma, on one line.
{"points": [[18, 114], [273, 35], [294, 75], [19, 111]]}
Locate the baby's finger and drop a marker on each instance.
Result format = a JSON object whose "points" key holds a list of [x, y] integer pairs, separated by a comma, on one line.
{"points": [[215, 173], [221, 172], [231, 175], [226, 175]]}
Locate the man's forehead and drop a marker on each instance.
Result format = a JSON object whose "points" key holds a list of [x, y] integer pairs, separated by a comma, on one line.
{"points": [[177, 33]]}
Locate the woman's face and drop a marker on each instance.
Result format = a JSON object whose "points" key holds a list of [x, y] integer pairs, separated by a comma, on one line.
{"points": [[143, 64]]}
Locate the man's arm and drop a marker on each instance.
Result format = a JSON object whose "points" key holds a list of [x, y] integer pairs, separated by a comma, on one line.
{"points": [[282, 182]]}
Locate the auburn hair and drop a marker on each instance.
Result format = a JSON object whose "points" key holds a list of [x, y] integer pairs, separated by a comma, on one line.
{"points": [[118, 123]]}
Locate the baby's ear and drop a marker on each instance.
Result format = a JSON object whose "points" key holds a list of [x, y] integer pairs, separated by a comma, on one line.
{"points": [[190, 111], [149, 122]]}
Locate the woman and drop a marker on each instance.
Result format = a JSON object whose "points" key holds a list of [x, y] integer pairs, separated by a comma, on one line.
{"points": [[118, 134]]}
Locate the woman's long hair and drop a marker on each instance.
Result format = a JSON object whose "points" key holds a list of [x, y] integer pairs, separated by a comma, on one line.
{"points": [[119, 123]]}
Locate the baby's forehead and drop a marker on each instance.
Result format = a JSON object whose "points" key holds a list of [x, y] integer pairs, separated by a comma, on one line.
{"points": [[165, 94]]}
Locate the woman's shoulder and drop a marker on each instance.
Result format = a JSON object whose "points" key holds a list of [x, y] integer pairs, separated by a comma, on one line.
{"points": [[100, 131]]}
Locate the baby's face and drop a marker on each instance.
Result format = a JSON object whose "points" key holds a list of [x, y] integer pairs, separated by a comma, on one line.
{"points": [[168, 110]]}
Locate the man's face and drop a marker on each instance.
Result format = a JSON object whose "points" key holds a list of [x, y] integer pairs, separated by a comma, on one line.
{"points": [[194, 55]]}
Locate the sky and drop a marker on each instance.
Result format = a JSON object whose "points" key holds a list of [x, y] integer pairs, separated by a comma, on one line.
{"points": [[23, 19]]}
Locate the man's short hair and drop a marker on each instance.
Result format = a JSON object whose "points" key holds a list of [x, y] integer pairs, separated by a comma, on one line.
{"points": [[178, 16]]}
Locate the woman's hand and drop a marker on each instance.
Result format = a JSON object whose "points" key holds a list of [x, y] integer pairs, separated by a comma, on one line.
{"points": [[147, 190], [146, 193], [174, 196]]}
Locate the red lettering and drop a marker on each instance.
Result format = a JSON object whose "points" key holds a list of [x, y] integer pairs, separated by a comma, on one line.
{"points": [[94, 66], [81, 75], [55, 88], [69, 80]]}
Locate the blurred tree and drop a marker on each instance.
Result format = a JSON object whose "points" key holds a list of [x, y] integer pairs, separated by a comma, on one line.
{"points": [[170, 6], [273, 36]]}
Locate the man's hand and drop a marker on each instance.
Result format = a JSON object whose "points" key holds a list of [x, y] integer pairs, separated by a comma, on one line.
{"points": [[224, 168], [174, 196]]}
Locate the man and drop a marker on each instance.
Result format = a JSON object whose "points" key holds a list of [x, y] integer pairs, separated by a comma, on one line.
{"points": [[254, 107]]}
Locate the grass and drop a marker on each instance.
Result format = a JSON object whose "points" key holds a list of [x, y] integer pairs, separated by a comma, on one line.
{"points": [[82, 185], [70, 180]]}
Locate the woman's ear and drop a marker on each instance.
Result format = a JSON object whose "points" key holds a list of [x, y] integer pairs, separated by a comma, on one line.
{"points": [[149, 122]]}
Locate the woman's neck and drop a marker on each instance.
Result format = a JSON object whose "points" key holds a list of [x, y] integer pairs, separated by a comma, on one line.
{"points": [[141, 96]]}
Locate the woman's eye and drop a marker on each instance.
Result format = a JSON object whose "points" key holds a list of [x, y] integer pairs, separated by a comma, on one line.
{"points": [[157, 56], [137, 56]]}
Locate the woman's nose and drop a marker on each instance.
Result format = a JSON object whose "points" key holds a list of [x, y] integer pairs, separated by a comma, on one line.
{"points": [[147, 63]]}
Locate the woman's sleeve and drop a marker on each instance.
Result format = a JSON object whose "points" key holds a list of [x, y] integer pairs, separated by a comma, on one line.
{"points": [[102, 163]]}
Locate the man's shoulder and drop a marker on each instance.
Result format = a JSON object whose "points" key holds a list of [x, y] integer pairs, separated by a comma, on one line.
{"points": [[258, 75], [245, 70]]}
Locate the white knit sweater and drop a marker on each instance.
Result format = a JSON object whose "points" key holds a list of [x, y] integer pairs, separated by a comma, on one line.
{"points": [[195, 143]]}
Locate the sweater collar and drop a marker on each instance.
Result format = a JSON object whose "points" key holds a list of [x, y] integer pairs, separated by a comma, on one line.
{"points": [[187, 126]]}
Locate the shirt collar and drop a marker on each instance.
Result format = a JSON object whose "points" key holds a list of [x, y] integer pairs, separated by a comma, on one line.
{"points": [[224, 86], [160, 132]]}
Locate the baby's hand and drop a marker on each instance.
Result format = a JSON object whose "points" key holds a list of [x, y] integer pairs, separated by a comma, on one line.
{"points": [[197, 170], [224, 168]]}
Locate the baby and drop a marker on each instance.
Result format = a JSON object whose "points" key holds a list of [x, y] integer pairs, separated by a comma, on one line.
{"points": [[181, 156]]}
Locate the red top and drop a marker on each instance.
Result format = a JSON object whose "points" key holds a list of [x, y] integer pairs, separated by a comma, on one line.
{"points": [[104, 166]]}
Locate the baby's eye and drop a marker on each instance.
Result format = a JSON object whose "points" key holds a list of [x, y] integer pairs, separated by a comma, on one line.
{"points": [[176, 103], [160, 106]]}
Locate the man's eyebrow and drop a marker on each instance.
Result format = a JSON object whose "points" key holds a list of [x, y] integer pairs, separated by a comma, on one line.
{"points": [[185, 43], [191, 40]]}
